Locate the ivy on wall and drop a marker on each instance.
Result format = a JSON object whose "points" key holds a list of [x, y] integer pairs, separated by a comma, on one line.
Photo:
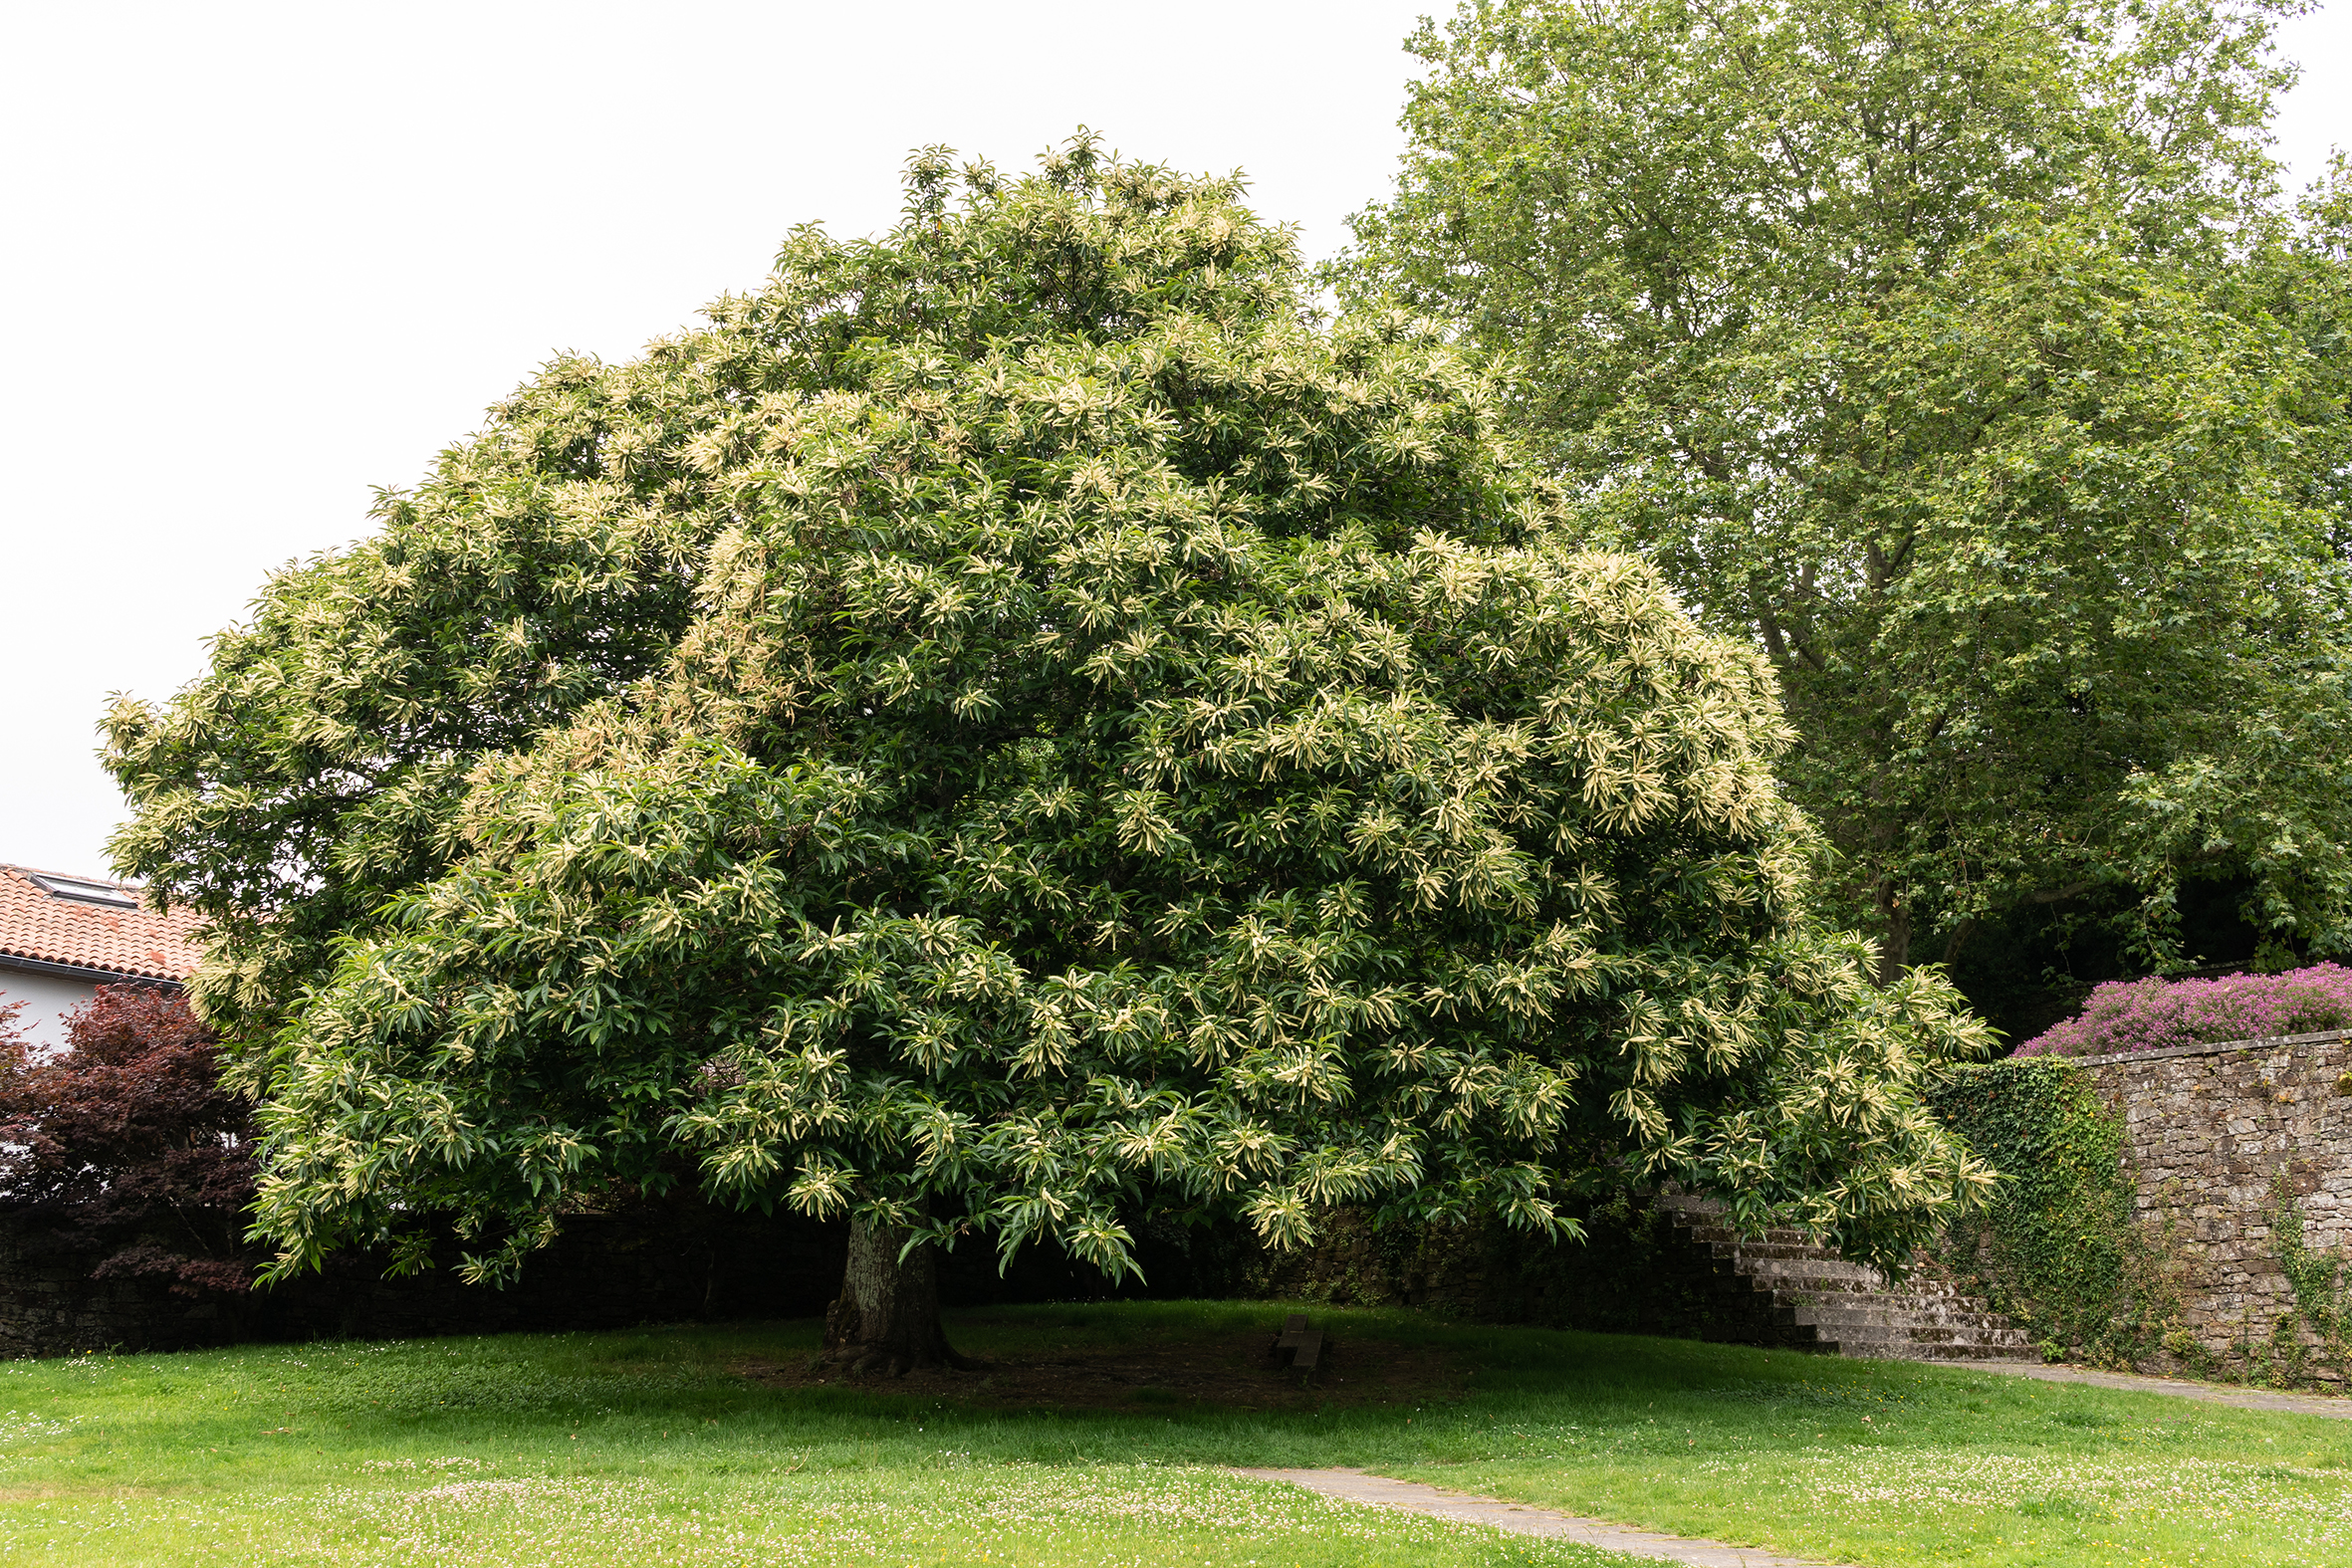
{"points": [[2060, 1249], [2317, 1276]]}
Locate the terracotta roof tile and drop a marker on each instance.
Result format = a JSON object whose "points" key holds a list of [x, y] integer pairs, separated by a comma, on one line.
{"points": [[38, 924]]}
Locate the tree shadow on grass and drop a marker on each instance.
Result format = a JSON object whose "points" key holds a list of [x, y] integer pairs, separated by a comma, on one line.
{"points": [[1035, 1361]]}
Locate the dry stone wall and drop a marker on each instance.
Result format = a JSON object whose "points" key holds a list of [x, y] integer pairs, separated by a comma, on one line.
{"points": [[2214, 1134]]}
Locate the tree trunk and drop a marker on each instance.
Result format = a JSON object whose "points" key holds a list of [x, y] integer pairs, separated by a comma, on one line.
{"points": [[1893, 949], [1960, 932], [888, 1317]]}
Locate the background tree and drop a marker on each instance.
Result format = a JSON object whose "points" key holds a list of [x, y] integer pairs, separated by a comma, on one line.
{"points": [[125, 1145], [1074, 736], [1957, 356]]}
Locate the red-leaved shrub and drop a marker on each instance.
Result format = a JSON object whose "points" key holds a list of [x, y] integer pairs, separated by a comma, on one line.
{"points": [[125, 1144], [2150, 1014]]}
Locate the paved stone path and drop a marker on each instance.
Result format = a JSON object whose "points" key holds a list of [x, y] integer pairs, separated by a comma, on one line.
{"points": [[1526, 1519], [2338, 1408]]}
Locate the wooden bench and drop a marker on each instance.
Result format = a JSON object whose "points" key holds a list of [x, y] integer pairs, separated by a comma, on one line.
{"points": [[1305, 1345]]}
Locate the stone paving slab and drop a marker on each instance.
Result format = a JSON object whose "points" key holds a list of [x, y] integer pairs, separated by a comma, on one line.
{"points": [[1526, 1519], [2334, 1406]]}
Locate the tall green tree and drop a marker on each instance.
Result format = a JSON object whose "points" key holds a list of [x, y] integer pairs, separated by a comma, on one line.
{"points": [[1956, 354], [1007, 726]]}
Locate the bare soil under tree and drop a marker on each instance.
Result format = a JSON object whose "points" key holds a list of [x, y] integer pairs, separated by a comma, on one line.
{"points": [[1232, 1370]]}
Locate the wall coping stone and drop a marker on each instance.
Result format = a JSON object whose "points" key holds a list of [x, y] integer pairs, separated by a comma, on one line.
{"points": [[2212, 1048]]}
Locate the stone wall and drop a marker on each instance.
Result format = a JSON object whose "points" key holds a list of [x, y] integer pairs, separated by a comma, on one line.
{"points": [[2211, 1132]]}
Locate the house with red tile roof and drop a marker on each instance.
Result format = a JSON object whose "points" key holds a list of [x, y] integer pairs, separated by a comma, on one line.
{"points": [[62, 937]]}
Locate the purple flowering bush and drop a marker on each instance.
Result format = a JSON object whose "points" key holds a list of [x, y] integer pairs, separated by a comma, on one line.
{"points": [[2150, 1014]]}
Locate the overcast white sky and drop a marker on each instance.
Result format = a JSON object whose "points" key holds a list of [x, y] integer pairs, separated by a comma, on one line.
{"points": [[261, 259]]}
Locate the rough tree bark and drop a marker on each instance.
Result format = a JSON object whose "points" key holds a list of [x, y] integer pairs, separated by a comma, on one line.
{"points": [[887, 1317], [1894, 947]]}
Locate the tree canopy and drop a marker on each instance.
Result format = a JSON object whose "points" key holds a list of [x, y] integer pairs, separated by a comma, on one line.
{"points": [[1006, 725], [1957, 356]]}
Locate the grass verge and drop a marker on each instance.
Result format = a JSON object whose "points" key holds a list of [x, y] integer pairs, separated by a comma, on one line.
{"points": [[669, 1447]]}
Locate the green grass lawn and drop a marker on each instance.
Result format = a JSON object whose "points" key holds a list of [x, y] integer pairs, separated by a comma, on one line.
{"points": [[652, 1447]]}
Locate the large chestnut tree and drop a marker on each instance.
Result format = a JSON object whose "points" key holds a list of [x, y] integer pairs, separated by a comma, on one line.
{"points": [[1008, 727]]}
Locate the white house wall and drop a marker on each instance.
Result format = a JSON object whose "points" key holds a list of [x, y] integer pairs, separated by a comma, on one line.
{"points": [[47, 998]]}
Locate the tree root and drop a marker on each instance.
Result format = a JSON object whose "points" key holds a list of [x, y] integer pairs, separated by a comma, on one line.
{"points": [[857, 1360]]}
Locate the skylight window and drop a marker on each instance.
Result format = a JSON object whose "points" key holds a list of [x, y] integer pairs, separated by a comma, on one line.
{"points": [[87, 892]]}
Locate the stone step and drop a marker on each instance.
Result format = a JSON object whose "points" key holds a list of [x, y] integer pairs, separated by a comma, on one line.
{"points": [[1936, 1308], [1804, 1284], [1728, 1244], [1894, 1315], [1847, 1292], [1820, 1301], [1688, 1202], [1847, 1337], [1779, 1268], [1840, 1289], [1861, 1329], [1796, 1242], [1878, 1350]]}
